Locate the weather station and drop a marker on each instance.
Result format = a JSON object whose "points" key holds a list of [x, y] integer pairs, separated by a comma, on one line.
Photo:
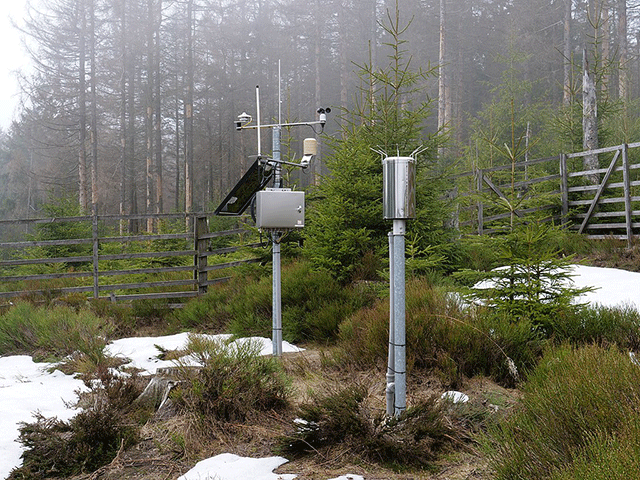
{"points": [[277, 210]]}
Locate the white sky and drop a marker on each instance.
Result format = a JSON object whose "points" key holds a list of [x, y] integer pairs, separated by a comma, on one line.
{"points": [[12, 58], [23, 382]]}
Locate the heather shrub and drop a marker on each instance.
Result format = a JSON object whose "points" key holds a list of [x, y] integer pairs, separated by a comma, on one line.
{"points": [[233, 383], [91, 439], [53, 332], [342, 416], [577, 405], [443, 336]]}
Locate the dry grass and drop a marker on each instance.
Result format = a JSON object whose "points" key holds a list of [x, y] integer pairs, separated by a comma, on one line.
{"points": [[171, 446]]}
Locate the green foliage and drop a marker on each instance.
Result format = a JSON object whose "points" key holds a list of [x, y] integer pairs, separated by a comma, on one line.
{"points": [[235, 381], [614, 457], [313, 305], [62, 207], [443, 337], [52, 332], [208, 313], [533, 282], [345, 225], [577, 402]]}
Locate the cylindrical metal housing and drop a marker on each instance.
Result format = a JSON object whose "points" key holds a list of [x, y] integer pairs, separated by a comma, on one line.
{"points": [[399, 188]]}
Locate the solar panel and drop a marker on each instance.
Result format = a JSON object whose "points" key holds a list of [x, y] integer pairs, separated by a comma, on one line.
{"points": [[242, 194]]}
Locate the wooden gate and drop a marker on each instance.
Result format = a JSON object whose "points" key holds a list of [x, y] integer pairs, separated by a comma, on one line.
{"points": [[600, 203]]}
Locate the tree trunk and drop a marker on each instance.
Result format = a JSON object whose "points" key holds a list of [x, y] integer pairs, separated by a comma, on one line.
{"points": [[188, 114], [606, 41], [82, 109], [132, 190], [178, 145], [623, 79], [149, 139], [94, 109], [566, 94], [158, 113], [589, 120], [123, 112], [444, 110]]}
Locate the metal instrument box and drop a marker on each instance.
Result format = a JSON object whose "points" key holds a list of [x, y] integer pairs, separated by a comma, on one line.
{"points": [[279, 209], [399, 188]]}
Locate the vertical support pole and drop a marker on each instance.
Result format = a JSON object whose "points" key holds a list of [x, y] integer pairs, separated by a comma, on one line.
{"points": [[399, 227], [200, 228], [564, 188], [479, 175], [390, 390], [94, 235], [627, 193], [276, 297]]}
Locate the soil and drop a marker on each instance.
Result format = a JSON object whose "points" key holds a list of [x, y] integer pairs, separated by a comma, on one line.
{"points": [[169, 447]]}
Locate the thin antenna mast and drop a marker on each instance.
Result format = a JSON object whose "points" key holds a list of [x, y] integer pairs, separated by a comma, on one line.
{"points": [[258, 119], [279, 95]]}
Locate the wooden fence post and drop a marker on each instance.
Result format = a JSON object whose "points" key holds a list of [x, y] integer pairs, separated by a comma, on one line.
{"points": [[94, 235], [627, 193], [200, 229], [564, 188], [479, 175]]}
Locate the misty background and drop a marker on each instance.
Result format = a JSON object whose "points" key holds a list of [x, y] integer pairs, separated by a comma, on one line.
{"points": [[129, 105]]}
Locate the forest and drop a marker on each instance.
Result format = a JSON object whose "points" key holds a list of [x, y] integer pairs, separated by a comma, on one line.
{"points": [[130, 106]]}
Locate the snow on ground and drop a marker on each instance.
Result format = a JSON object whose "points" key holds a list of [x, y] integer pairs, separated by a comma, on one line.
{"points": [[27, 387], [612, 287]]}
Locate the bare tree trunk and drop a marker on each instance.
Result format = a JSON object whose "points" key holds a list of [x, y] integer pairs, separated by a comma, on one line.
{"points": [[94, 109], [623, 79], [158, 112], [343, 54], [82, 109], [150, 198], [606, 50], [188, 114], [589, 120], [123, 112], [132, 190], [443, 120], [566, 94], [178, 147]]}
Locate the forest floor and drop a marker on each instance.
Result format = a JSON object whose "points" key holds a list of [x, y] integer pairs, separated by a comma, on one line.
{"points": [[165, 440]]}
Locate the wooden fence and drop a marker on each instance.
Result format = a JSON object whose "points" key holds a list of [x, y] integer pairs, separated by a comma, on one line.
{"points": [[600, 203], [188, 268]]}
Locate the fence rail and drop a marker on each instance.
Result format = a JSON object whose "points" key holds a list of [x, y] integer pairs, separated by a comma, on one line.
{"points": [[600, 202], [183, 272]]}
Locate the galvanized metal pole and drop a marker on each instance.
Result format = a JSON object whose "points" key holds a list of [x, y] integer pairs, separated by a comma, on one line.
{"points": [[399, 318], [276, 297], [275, 238], [390, 390]]}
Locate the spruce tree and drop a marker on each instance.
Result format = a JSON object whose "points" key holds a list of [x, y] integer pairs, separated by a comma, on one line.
{"points": [[346, 233]]}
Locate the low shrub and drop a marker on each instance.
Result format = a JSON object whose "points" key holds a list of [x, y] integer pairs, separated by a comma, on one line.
{"points": [[612, 457], [234, 382], [91, 439], [208, 313], [577, 404], [341, 416], [598, 324], [313, 305], [442, 336], [53, 332]]}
